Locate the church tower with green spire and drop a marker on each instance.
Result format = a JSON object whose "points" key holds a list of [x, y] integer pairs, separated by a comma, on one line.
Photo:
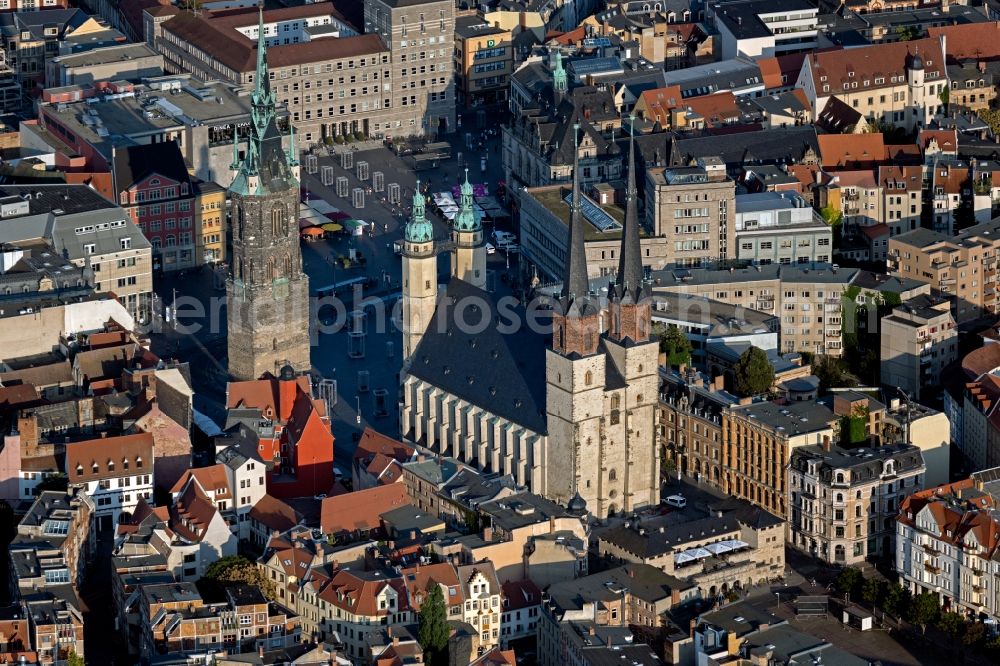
{"points": [[419, 276], [468, 261], [268, 294]]}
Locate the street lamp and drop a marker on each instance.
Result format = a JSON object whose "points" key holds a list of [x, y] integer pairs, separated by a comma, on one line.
{"points": [[778, 605], [358, 398]]}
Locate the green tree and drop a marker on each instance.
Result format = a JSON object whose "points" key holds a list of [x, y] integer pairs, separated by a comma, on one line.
{"points": [[835, 219], [945, 96], [73, 659], [896, 600], [831, 373], [848, 580], [871, 591], [674, 344], [908, 33], [991, 117], [975, 634], [754, 373], [235, 570], [923, 610], [434, 631], [952, 624]]}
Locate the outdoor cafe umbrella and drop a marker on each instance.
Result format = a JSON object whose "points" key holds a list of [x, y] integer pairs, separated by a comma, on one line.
{"points": [[333, 226], [313, 231]]}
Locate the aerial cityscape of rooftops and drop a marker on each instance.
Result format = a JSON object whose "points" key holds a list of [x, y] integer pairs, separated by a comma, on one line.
{"points": [[500, 332]]}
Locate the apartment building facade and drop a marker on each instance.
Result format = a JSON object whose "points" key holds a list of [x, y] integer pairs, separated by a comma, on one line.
{"points": [[420, 35], [780, 228], [947, 543], [918, 340], [115, 472], [695, 207], [963, 267], [843, 502], [806, 296], [897, 83], [484, 61], [758, 440]]}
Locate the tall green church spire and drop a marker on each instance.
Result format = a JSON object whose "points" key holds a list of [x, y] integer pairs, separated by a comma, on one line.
{"points": [[560, 83], [267, 167]]}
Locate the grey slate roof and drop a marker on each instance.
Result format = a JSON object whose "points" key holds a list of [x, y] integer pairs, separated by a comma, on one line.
{"points": [[501, 372], [785, 145]]}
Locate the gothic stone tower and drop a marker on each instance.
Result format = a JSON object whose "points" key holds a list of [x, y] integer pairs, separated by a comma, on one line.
{"points": [[575, 373], [419, 276], [268, 294], [632, 416]]}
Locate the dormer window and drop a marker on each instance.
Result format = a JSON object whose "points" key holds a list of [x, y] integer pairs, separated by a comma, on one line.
{"points": [[79, 470], [111, 465], [125, 463], [96, 468], [138, 462]]}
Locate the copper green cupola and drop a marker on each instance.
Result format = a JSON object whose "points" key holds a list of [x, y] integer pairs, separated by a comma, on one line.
{"points": [[418, 229], [267, 167], [466, 219]]}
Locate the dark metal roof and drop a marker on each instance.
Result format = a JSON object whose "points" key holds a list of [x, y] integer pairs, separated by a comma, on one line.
{"points": [[503, 372]]}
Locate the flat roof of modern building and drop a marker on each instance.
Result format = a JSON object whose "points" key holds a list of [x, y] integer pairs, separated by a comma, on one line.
{"points": [[794, 418], [106, 55], [474, 26]]}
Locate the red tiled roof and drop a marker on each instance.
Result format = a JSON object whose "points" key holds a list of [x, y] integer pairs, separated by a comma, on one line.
{"points": [[211, 479], [971, 41], [360, 510], [946, 140], [81, 457], [845, 150], [875, 231], [274, 514], [982, 360], [496, 657], [419, 579], [360, 595], [658, 102], [18, 394], [191, 514], [910, 176], [770, 72], [865, 65], [216, 34], [571, 37], [716, 109], [373, 442], [518, 594]]}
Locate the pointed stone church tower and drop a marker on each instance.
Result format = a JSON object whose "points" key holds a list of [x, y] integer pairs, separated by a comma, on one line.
{"points": [[419, 276], [268, 294], [574, 372], [636, 358]]}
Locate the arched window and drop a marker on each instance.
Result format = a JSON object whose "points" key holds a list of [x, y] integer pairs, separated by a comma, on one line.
{"points": [[588, 378], [237, 221], [840, 477], [155, 242], [615, 402], [279, 221], [274, 344], [288, 265], [270, 268], [613, 475], [840, 497], [171, 240]]}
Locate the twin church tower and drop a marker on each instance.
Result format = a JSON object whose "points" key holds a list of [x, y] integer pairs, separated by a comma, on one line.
{"points": [[571, 416]]}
